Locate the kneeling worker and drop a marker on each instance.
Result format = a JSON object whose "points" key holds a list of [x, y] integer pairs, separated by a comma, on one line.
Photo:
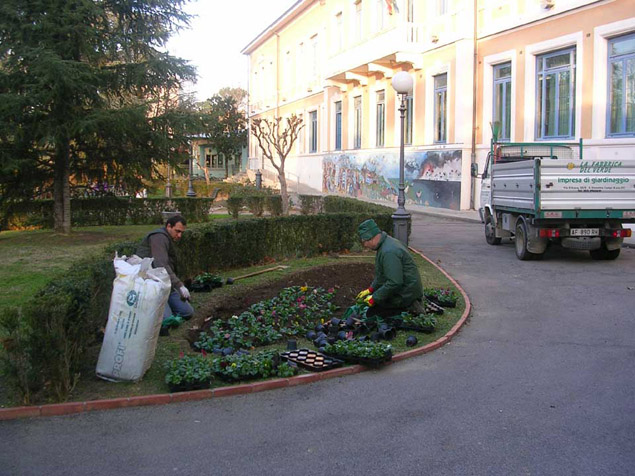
{"points": [[159, 244], [397, 284]]}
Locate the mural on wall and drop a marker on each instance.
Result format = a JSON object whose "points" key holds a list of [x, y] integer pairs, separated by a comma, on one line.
{"points": [[432, 178]]}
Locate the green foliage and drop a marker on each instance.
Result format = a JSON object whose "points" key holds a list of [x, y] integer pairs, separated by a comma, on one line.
{"points": [[334, 204], [48, 337], [234, 205], [355, 348], [206, 282], [189, 372], [255, 204], [104, 211], [311, 204], [293, 311], [273, 204], [230, 244], [225, 125], [86, 93], [250, 366], [51, 333], [442, 296], [422, 322]]}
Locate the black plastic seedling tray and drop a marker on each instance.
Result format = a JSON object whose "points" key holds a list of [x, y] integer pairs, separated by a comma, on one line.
{"points": [[311, 360]]}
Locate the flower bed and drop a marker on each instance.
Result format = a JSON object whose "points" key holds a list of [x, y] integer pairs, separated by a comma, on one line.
{"points": [[290, 313]]}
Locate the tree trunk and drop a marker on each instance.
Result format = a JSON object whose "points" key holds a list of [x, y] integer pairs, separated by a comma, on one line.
{"points": [[283, 192], [62, 191]]}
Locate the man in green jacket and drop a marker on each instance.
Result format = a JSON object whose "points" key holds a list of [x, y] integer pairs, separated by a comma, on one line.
{"points": [[397, 284], [159, 244]]}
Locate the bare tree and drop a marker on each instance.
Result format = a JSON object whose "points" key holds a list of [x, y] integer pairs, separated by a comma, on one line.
{"points": [[275, 138]]}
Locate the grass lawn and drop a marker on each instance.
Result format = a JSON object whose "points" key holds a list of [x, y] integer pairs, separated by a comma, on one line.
{"points": [[30, 258]]}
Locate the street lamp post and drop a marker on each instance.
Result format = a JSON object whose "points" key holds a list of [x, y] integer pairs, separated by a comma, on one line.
{"points": [[168, 185], [190, 188], [402, 83]]}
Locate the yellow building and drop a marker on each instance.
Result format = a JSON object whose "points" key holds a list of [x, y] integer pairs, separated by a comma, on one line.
{"points": [[545, 70]]}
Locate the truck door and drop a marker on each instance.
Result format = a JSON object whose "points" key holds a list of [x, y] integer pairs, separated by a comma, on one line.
{"points": [[486, 185]]}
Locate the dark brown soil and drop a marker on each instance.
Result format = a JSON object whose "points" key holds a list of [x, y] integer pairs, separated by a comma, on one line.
{"points": [[348, 278]]}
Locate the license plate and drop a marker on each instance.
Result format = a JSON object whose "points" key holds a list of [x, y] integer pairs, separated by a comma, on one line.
{"points": [[585, 231]]}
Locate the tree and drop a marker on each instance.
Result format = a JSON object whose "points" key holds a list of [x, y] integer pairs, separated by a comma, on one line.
{"points": [[276, 137], [225, 126], [239, 94], [83, 87]]}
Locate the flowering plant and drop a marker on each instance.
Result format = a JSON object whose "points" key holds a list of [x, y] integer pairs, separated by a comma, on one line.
{"points": [[290, 313], [442, 296]]}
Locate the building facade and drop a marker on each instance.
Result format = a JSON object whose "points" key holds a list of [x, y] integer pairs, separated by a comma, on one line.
{"points": [[542, 70]]}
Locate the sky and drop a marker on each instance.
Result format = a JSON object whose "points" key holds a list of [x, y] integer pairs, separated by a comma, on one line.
{"points": [[217, 35]]}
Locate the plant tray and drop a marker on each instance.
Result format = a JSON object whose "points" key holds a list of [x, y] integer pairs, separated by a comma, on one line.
{"points": [[442, 302], [368, 362], [311, 360], [432, 307]]}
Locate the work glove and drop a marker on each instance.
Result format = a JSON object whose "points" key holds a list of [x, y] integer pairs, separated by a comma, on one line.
{"points": [[185, 294], [369, 300], [363, 294]]}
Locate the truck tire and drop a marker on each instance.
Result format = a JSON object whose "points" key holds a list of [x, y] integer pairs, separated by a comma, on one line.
{"points": [[604, 254], [490, 232], [522, 253]]}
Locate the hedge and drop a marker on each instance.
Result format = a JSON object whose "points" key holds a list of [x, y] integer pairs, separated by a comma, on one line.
{"points": [[46, 340], [104, 211]]}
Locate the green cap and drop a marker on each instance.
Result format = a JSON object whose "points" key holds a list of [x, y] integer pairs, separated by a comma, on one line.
{"points": [[368, 229]]}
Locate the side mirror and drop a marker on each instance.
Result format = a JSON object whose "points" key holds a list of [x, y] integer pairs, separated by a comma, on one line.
{"points": [[474, 169]]}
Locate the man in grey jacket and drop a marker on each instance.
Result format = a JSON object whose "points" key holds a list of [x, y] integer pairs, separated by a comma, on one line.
{"points": [[159, 244]]}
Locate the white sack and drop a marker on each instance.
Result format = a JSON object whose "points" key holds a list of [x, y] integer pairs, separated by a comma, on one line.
{"points": [[139, 294]]}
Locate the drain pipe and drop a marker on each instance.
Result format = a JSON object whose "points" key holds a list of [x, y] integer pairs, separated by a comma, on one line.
{"points": [[474, 91]]}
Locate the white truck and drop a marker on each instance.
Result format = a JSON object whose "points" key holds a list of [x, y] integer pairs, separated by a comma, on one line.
{"points": [[541, 193]]}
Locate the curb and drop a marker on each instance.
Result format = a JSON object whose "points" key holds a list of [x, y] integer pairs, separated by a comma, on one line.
{"points": [[69, 408]]}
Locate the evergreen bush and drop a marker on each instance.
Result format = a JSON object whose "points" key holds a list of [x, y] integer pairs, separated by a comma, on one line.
{"points": [[103, 211]]}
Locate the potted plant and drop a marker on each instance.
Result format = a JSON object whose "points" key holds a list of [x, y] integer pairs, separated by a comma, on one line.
{"points": [[205, 282], [444, 297], [419, 322], [188, 372], [365, 352]]}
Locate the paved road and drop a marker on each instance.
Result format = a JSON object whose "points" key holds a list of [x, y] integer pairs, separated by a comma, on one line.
{"points": [[541, 381]]}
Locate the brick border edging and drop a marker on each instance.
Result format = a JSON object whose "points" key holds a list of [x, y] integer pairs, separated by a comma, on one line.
{"points": [[68, 408]]}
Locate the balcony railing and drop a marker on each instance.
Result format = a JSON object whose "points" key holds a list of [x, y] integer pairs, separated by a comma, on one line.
{"points": [[403, 38]]}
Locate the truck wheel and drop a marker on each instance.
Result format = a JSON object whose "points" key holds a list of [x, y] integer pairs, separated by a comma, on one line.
{"points": [[604, 254], [490, 233], [522, 253]]}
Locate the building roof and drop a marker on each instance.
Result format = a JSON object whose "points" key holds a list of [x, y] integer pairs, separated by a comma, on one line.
{"points": [[277, 25]]}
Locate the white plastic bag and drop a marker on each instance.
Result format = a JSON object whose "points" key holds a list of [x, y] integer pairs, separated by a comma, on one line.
{"points": [[139, 295]]}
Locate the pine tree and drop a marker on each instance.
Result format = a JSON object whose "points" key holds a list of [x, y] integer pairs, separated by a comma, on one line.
{"points": [[87, 92]]}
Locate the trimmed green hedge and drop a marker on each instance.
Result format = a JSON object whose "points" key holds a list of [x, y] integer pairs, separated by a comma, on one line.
{"points": [[46, 340], [104, 211]]}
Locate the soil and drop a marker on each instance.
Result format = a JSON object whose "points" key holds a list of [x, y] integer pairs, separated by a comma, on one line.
{"points": [[348, 278]]}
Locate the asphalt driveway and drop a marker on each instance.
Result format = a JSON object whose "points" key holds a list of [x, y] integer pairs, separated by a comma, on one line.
{"points": [[540, 381]]}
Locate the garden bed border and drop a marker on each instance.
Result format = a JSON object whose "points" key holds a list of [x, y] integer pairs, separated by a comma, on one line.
{"points": [[69, 408]]}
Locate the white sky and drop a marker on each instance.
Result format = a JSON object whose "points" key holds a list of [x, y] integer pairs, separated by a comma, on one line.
{"points": [[218, 34]]}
